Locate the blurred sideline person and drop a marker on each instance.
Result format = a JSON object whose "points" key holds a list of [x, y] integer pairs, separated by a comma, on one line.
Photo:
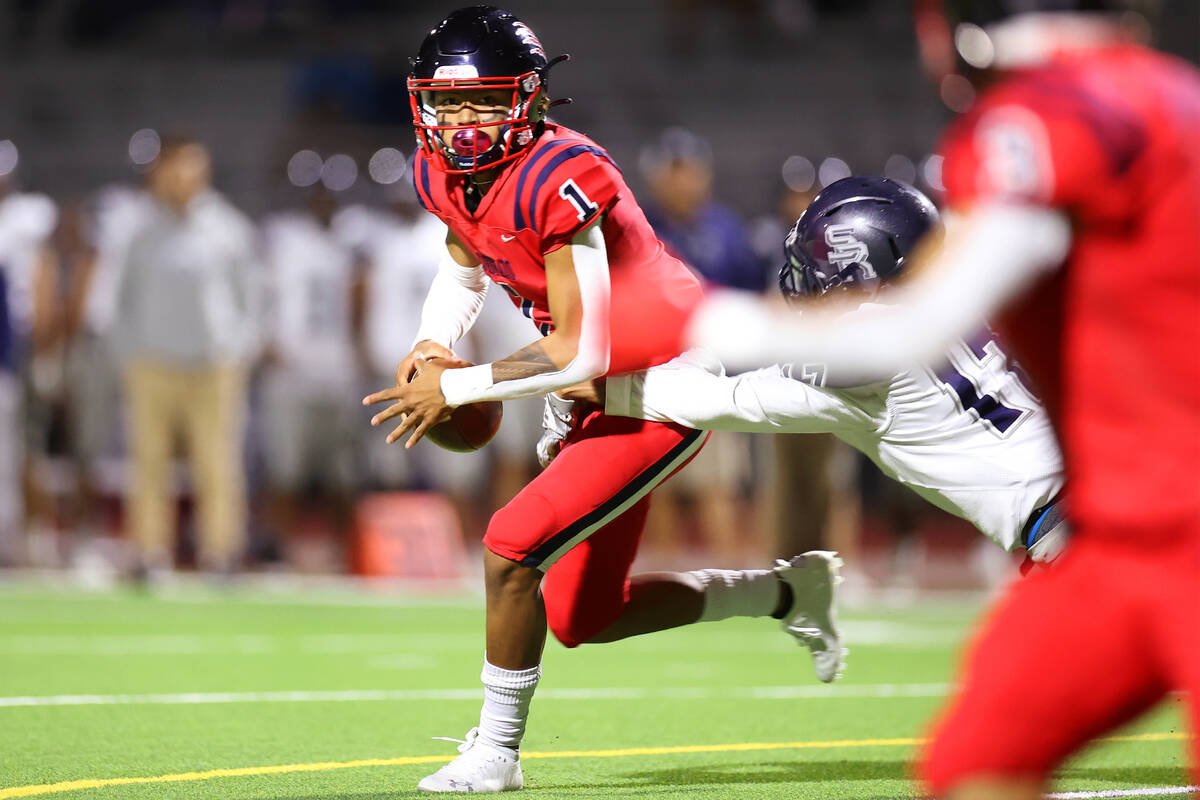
{"points": [[94, 397], [310, 366], [27, 222], [1076, 180], [988, 457], [710, 238], [500, 330], [401, 252], [813, 471], [76, 259], [569, 246], [401, 246], [183, 329], [706, 234]]}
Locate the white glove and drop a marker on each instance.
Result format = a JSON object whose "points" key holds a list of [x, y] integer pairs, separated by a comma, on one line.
{"points": [[557, 421]]}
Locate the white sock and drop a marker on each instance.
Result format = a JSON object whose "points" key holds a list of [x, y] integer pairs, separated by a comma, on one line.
{"points": [[506, 696], [737, 593]]}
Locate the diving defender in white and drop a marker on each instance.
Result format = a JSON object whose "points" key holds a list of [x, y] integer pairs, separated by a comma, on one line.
{"points": [[965, 434]]}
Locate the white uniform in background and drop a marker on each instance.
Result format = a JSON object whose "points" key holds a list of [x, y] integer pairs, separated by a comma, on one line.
{"points": [[310, 392], [399, 271], [26, 224], [968, 437], [402, 258], [118, 212], [498, 332]]}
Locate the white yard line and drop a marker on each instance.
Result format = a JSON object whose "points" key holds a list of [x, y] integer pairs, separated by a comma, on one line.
{"points": [[137, 644], [1160, 791], [898, 690], [226, 644], [856, 633]]}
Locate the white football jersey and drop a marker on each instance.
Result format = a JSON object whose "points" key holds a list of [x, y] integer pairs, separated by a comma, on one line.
{"points": [[402, 261], [968, 436], [312, 273], [120, 212], [26, 223]]}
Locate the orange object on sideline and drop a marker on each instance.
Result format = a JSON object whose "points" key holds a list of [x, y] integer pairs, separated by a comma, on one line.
{"points": [[408, 535]]}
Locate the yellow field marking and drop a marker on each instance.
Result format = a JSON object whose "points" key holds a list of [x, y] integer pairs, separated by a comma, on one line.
{"points": [[324, 766], [1147, 737]]}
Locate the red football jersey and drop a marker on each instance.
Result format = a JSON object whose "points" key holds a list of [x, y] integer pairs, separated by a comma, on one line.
{"points": [[1112, 138], [537, 204]]}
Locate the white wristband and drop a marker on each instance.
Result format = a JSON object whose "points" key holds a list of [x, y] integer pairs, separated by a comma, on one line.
{"points": [[466, 385]]}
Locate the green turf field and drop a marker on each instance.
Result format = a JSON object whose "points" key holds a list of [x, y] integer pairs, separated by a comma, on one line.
{"points": [[241, 693]]}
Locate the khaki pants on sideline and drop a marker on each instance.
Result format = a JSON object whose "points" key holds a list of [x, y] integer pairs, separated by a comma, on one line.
{"points": [[207, 405]]}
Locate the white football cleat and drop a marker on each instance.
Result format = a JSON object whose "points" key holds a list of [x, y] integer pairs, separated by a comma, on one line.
{"points": [[812, 618], [481, 768]]}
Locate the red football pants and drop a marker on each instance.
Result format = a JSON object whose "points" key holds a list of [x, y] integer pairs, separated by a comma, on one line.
{"points": [[580, 521], [1071, 653]]}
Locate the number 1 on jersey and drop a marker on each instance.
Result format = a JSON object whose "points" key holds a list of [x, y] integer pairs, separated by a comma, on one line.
{"points": [[571, 192]]}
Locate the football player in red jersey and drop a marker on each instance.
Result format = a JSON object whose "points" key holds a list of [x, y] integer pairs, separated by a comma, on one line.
{"points": [[1076, 180], [543, 212]]}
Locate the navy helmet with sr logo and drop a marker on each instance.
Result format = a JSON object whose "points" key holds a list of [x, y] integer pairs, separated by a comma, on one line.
{"points": [[856, 234], [480, 47]]}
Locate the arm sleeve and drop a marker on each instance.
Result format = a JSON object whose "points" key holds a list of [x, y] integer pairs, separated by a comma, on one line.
{"points": [[573, 194], [453, 302], [999, 251], [690, 393], [473, 384]]}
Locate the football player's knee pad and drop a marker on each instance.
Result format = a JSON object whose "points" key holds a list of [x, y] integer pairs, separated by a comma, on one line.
{"points": [[516, 529]]}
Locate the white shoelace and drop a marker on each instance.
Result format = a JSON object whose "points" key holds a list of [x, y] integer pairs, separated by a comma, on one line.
{"points": [[463, 744]]}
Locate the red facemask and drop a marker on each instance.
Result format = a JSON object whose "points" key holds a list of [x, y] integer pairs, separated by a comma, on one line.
{"points": [[472, 149]]}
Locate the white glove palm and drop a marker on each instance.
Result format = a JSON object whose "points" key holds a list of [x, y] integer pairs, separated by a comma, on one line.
{"points": [[557, 420]]}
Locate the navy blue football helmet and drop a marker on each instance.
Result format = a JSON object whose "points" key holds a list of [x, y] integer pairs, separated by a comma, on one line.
{"points": [[481, 47], [856, 234]]}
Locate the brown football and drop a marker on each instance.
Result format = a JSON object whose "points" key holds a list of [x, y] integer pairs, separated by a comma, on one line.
{"points": [[470, 427]]}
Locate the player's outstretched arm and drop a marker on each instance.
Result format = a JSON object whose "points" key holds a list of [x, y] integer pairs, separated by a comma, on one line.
{"points": [[994, 252], [693, 390]]}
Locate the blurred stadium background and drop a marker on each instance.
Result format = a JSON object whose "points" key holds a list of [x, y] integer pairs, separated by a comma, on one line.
{"points": [[750, 105], [267, 663]]}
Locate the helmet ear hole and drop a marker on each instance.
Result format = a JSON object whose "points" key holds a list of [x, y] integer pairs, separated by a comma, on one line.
{"points": [[539, 104]]}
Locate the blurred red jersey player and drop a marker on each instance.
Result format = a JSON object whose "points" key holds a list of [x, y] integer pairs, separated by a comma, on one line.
{"points": [[1107, 134], [1074, 180], [543, 212]]}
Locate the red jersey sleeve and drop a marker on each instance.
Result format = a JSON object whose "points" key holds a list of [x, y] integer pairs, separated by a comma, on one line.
{"points": [[580, 182], [1064, 150]]}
